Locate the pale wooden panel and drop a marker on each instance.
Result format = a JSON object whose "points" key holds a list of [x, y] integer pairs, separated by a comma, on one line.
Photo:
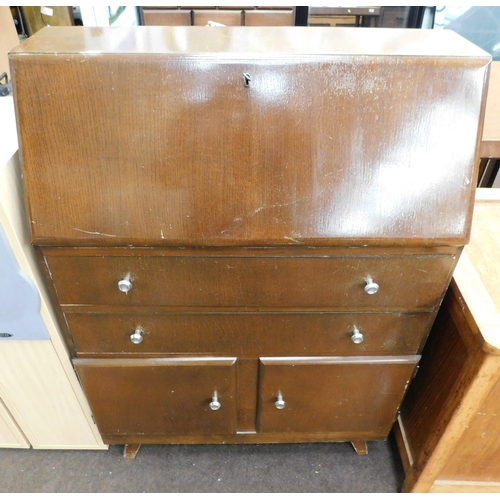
{"points": [[34, 380], [477, 273], [491, 132], [465, 487], [38, 377], [8, 37], [10, 434]]}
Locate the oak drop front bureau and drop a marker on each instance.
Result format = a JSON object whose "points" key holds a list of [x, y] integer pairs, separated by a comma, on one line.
{"points": [[247, 231]]}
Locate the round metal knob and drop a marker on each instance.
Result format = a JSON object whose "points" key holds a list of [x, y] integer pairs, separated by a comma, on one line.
{"points": [[280, 402], [137, 337], [214, 404], [371, 287], [125, 285], [357, 337]]}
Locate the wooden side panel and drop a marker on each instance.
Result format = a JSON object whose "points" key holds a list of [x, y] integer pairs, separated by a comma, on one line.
{"points": [[264, 164], [333, 394], [160, 396], [434, 395], [405, 282], [479, 456]]}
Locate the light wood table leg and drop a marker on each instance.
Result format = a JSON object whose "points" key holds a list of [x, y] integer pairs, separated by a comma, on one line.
{"points": [[130, 450], [361, 447]]}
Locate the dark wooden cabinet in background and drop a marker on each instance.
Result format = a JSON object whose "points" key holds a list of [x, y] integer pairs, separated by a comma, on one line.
{"points": [[228, 16], [247, 233]]}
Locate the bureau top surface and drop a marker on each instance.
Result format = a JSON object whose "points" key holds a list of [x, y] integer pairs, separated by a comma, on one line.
{"points": [[234, 42]]}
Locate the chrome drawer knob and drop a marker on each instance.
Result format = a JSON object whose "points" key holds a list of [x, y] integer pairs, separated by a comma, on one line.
{"points": [[357, 337], [280, 402], [137, 337], [125, 285], [214, 404], [371, 287]]}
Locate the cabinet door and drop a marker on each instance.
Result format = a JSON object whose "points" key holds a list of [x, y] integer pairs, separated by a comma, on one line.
{"points": [[160, 396], [358, 396]]}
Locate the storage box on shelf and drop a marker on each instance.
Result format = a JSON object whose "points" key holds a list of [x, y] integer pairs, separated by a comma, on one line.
{"points": [[228, 16], [248, 233]]}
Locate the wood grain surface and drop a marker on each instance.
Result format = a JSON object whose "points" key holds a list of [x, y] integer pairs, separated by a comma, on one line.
{"points": [[332, 394], [160, 396], [250, 334], [189, 155], [416, 282]]}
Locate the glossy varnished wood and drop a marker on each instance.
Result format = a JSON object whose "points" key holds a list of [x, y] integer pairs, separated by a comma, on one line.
{"points": [[333, 394], [248, 213], [240, 334], [160, 396], [416, 282], [249, 165]]}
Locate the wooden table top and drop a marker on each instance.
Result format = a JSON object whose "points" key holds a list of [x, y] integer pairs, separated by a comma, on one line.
{"points": [[490, 146], [477, 274]]}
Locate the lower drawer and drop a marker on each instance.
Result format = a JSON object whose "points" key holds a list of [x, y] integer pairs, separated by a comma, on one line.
{"points": [[160, 396], [244, 334], [330, 394]]}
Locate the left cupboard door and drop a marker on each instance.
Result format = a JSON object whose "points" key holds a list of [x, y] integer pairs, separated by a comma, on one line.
{"points": [[160, 396]]}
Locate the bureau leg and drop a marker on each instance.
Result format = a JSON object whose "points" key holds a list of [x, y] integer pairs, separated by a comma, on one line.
{"points": [[130, 450], [361, 447]]}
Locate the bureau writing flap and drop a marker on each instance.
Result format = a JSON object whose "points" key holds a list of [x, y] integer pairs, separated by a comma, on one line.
{"points": [[334, 143]]}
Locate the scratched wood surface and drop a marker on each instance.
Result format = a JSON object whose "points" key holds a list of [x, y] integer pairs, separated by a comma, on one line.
{"points": [[248, 182], [327, 148]]}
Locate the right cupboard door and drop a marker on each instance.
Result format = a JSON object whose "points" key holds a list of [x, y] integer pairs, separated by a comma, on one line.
{"points": [[356, 396]]}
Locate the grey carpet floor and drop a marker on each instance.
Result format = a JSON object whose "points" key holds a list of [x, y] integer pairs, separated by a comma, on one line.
{"points": [[293, 468]]}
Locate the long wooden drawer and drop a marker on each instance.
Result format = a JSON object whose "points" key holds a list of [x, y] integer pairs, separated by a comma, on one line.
{"points": [[333, 394], [247, 334], [405, 282], [160, 396]]}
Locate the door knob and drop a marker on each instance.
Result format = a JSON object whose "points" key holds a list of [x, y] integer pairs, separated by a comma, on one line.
{"points": [[137, 337], [280, 402], [357, 337], [371, 287], [125, 285], [214, 404]]}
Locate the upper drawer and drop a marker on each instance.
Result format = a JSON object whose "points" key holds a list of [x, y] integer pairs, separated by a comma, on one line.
{"points": [[275, 282], [154, 136]]}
